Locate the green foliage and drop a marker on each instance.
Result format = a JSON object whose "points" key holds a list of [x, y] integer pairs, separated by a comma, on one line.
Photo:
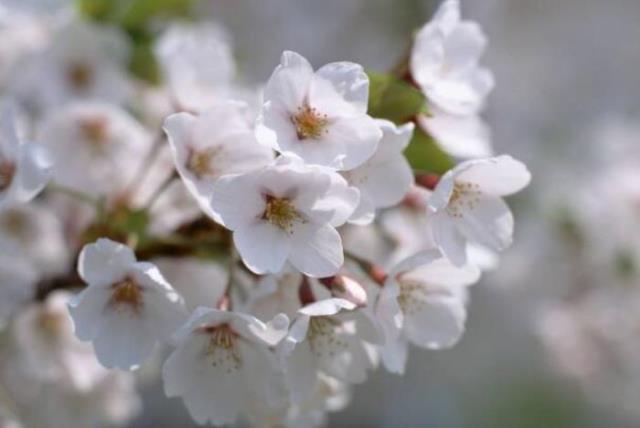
{"points": [[393, 99], [135, 17], [396, 100], [425, 155]]}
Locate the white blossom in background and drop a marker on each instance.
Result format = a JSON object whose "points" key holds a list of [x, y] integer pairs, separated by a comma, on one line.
{"points": [[84, 61], [218, 142], [222, 362], [322, 116], [445, 64], [127, 308], [467, 206], [423, 302], [386, 177], [96, 134], [56, 380], [287, 211], [25, 168], [197, 62], [327, 336]]}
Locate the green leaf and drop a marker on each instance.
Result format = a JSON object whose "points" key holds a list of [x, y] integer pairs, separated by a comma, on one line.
{"points": [[139, 12], [424, 154], [143, 63], [393, 99]]}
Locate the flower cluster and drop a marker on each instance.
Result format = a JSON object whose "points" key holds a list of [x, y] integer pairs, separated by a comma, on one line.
{"points": [[280, 249]]}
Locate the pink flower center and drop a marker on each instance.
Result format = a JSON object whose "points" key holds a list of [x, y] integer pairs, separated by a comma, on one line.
{"points": [[80, 76]]}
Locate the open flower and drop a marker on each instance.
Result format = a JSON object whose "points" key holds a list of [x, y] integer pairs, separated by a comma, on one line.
{"points": [[127, 307], [423, 302], [444, 62], [218, 142], [467, 206], [98, 147], [25, 168], [328, 336], [386, 177], [322, 116], [286, 211], [222, 363], [84, 61]]}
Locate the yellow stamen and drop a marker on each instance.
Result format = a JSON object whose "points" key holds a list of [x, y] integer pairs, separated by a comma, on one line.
{"points": [[127, 293], [281, 213], [309, 123]]}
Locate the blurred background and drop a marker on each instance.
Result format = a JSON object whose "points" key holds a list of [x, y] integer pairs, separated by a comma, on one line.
{"points": [[552, 338]]}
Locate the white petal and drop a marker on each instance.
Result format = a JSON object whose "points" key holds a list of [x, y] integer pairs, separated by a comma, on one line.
{"points": [[316, 251], [449, 240], [327, 307], [263, 247], [86, 309], [359, 136], [442, 272], [499, 176], [124, 340], [104, 262], [464, 45], [34, 170], [289, 83], [237, 200], [394, 355], [439, 198], [460, 136], [348, 80], [365, 213], [440, 323], [301, 373], [489, 223], [387, 183]]}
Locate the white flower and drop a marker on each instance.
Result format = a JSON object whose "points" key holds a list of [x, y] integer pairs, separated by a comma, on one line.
{"points": [[84, 61], [25, 168], [423, 302], [322, 116], [127, 306], [197, 63], [98, 147], [460, 136], [286, 211], [466, 205], [328, 336], [222, 362], [444, 62], [386, 177], [218, 142]]}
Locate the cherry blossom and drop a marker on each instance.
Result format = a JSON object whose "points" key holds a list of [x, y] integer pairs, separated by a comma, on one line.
{"points": [[423, 302], [466, 205], [127, 307], [322, 116], [327, 336], [218, 142], [386, 177], [287, 211], [222, 362], [444, 62]]}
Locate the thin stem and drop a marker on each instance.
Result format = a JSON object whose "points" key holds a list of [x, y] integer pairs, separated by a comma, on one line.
{"points": [[144, 168]]}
